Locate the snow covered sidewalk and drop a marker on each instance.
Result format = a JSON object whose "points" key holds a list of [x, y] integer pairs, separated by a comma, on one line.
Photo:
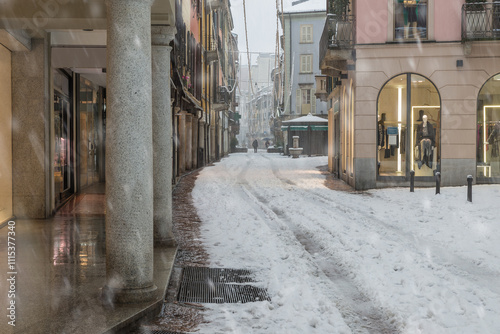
{"points": [[385, 261]]}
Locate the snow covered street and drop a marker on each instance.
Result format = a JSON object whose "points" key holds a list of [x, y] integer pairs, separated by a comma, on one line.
{"points": [[381, 261]]}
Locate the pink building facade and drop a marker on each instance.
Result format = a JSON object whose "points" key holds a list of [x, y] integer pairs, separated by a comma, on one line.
{"points": [[414, 87]]}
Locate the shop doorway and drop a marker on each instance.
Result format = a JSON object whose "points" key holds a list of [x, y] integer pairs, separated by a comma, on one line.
{"points": [[408, 128], [63, 149], [488, 132], [88, 133]]}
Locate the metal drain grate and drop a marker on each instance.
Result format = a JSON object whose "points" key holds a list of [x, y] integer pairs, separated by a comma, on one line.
{"points": [[219, 293], [212, 285], [217, 275]]}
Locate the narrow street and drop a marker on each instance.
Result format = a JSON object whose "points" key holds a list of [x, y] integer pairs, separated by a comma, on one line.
{"points": [[345, 262]]}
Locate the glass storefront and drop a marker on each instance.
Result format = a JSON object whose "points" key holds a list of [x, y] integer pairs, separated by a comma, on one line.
{"points": [[488, 131], [408, 127], [63, 139], [88, 133], [410, 19]]}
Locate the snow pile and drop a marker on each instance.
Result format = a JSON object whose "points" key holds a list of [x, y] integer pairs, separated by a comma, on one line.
{"points": [[334, 262]]}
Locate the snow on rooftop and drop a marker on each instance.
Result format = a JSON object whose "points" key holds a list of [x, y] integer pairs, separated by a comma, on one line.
{"points": [[296, 6], [307, 119]]}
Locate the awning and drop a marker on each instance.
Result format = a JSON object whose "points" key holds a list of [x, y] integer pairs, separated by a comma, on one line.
{"points": [[319, 127], [298, 127], [284, 128]]}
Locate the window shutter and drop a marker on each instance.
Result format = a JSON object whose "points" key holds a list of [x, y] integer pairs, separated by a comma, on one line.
{"points": [[298, 102], [313, 101]]}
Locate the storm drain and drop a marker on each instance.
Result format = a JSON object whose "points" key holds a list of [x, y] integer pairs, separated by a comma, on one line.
{"points": [[218, 275], [214, 285]]}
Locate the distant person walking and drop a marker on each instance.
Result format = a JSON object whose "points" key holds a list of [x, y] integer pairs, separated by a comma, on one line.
{"points": [[255, 144]]}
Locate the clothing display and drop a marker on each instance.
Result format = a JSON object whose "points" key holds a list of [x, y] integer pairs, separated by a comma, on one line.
{"points": [[494, 139], [426, 141]]}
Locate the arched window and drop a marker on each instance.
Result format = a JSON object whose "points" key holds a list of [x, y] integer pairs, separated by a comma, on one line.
{"points": [[488, 131], [408, 127]]}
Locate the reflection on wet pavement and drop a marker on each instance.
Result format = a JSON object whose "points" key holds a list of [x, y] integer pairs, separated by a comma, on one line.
{"points": [[60, 268]]}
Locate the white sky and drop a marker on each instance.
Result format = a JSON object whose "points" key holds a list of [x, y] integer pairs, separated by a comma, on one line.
{"points": [[261, 21]]}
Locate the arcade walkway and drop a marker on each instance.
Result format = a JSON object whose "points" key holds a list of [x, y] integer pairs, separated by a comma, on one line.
{"points": [[59, 269]]}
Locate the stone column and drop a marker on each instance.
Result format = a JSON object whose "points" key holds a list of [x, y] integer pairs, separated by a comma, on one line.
{"points": [[129, 154], [161, 36]]}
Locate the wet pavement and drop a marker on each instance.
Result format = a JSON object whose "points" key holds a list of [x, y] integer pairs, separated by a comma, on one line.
{"points": [[51, 282]]}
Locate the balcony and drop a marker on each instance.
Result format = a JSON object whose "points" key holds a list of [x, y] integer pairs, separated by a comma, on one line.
{"points": [[211, 53], [222, 99], [214, 4], [321, 91], [480, 21], [337, 43]]}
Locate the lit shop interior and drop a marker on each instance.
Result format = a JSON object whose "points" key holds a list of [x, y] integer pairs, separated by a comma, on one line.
{"points": [[408, 128], [488, 132]]}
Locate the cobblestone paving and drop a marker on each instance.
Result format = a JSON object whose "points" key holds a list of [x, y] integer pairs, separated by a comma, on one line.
{"points": [[178, 317]]}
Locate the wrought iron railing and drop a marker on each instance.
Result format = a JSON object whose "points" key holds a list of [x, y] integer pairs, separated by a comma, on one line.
{"points": [[339, 33], [481, 21]]}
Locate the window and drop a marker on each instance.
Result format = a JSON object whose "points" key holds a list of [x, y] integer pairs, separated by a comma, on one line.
{"points": [[410, 19], [306, 33], [306, 96], [408, 127], [306, 64], [305, 100], [488, 131]]}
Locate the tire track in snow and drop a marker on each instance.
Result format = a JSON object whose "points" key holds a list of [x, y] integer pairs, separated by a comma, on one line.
{"points": [[359, 312], [443, 265], [455, 264]]}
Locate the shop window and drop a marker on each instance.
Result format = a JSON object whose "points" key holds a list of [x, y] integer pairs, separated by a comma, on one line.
{"points": [[488, 131], [410, 19], [408, 127]]}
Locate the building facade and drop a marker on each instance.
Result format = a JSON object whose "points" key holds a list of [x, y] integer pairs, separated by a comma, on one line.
{"points": [[303, 24], [412, 86], [89, 95]]}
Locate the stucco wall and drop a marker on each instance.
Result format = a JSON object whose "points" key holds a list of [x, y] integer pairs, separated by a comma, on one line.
{"points": [[458, 88], [297, 48], [372, 21], [30, 133], [448, 20], [5, 135]]}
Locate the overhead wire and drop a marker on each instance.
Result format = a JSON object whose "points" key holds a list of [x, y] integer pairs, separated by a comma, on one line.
{"points": [[248, 53]]}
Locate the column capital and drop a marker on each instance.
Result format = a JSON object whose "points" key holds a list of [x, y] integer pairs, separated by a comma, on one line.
{"points": [[121, 2], [162, 35]]}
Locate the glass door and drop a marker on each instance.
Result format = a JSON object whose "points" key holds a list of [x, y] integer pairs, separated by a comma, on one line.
{"points": [[63, 168]]}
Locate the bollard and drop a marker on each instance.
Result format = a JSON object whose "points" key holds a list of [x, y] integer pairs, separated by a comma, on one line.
{"points": [[469, 188], [412, 181], [438, 183]]}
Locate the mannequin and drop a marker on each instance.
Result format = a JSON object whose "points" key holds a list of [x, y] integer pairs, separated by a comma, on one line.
{"points": [[410, 15], [426, 142], [381, 131], [380, 137], [494, 140]]}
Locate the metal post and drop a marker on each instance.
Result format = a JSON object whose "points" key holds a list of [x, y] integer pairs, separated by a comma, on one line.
{"points": [[438, 183], [412, 181], [469, 188]]}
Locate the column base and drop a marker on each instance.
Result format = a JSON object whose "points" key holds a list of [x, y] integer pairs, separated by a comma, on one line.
{"points": [[109, 296], [166, 242]]}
